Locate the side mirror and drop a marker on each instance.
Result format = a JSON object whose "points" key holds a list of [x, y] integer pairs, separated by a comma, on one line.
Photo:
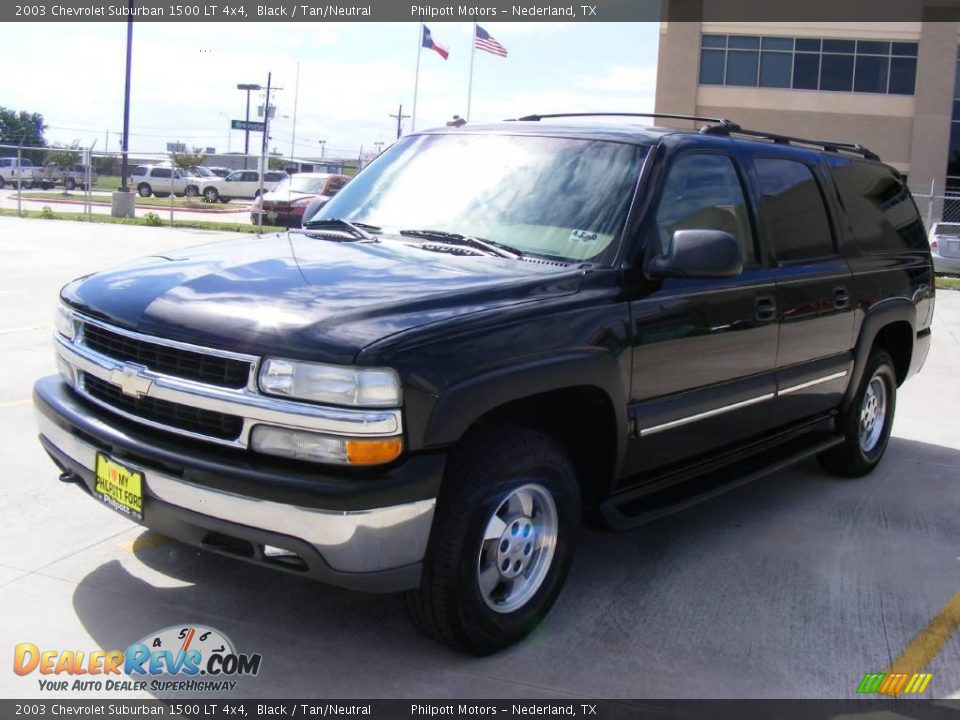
{"points": [[699, 254]]}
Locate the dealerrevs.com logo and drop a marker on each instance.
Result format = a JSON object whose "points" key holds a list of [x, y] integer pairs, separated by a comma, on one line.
{"points": [[184, 657]]}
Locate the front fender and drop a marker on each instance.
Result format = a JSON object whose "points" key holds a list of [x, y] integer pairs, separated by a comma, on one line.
{"points": [[463, 404]]}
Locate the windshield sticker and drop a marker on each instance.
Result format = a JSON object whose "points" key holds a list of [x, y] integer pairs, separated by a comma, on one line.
{"points": [[584, 236]]}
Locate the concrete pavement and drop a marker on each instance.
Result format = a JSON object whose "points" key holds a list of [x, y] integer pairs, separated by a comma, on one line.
{"points": [[792, 587]]}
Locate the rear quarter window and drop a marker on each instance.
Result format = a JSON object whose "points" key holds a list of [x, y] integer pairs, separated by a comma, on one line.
{"points": [[879, 208]]}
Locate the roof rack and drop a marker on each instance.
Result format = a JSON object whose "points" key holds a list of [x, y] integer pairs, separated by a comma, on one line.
{"points": [[716, 122], [834, 147]]}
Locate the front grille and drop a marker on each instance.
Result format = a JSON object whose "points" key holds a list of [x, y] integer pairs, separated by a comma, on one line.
{"points": [[210, 369], [174, 415]]}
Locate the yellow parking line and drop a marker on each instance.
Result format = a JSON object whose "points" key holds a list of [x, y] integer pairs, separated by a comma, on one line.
{"points": [[929, 641], [144, 542], [14, 403]]}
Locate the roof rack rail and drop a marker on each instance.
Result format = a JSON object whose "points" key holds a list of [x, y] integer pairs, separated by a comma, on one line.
{"points": [[828, 146], [721, 122]]}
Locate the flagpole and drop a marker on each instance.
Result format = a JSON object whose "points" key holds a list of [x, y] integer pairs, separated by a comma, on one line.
{"points": [[473, 51], [416, 80]]}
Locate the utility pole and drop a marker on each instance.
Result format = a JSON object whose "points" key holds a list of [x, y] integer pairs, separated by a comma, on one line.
{"points": [[246, 137], [263, 148], [400, 117], [293, 132], [323, 145]]}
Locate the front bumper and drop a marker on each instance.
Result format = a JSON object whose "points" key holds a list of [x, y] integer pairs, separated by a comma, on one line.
{"points": [[365, 531]]}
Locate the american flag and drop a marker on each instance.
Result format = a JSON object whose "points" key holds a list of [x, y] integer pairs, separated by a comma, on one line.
{"points": [[482, 40]]}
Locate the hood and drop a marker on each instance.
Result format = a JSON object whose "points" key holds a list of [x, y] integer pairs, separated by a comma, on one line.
{"points": [[287, 196], [305, 297]]}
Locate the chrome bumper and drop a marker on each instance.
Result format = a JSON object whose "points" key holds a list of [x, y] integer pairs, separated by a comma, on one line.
{"points": [[349, 541]]}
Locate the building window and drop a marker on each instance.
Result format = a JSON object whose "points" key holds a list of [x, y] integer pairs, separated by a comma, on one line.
{"points": [[865, 66], [953, 159]]}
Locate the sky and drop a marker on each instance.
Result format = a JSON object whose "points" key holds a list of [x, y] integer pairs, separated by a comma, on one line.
{"points": [[352, 77]]}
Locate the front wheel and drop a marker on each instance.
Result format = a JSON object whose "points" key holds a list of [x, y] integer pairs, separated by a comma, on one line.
{"points": [[69, 184], [144, 190], [867, 423], [211, 195], [502, 541]]}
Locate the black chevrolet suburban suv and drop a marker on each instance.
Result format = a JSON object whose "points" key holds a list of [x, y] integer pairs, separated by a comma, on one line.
{"points": [[491, 333]]}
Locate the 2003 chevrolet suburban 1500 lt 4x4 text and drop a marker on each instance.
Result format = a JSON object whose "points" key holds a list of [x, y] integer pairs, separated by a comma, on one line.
{"points": [[490, 333]]}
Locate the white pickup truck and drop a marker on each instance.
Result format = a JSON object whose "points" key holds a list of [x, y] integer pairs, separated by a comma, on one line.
{"points": [[16, 171]]}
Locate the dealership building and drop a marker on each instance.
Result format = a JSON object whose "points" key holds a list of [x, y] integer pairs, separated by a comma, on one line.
{"points": [[892, 87]]}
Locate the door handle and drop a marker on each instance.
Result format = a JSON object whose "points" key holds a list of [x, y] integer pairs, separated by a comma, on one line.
{"points": [[841, 298], [765, 308]]}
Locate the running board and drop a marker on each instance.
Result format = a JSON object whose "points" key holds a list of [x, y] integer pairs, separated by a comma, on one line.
{"points": [[636, 508]]}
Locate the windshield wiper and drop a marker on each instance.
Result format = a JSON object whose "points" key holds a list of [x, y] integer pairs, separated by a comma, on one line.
{"points": [[441, 236], [357, 229]]}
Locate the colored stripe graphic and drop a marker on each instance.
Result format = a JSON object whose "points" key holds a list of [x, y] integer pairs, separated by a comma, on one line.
{"points": [[894, 683]]}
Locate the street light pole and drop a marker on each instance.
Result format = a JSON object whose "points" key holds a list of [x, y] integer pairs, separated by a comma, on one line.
{"points": [[246, 133], [126, 102]]}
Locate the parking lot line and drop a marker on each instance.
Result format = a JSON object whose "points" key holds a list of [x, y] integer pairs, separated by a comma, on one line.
{"points": [[930, 641], [8, 331], [15, 403]]}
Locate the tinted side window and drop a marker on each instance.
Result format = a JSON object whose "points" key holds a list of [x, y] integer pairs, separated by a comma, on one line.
{"points": [[249, 177], [140, 170], [160, 172], [793, 210], [879, 208], [703, 192]]}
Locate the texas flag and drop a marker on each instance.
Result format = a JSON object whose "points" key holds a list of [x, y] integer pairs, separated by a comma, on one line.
{"points": [[429, 43]]}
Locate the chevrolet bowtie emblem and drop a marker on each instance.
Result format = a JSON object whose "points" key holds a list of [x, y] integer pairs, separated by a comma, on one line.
{"points": [[131, 380]]}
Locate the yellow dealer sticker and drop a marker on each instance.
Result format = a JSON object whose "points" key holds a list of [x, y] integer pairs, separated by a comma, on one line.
{"points": [[119, 487]]}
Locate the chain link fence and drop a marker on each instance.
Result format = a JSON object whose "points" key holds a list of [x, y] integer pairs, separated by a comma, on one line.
{"points": [[938, 203]]}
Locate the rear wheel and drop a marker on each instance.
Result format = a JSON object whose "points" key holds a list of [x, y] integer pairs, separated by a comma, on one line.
{"points": [[867, 423], [2, 182], [502, 541], [144, 190], [192, 191], [69, 184], [211, 195]]}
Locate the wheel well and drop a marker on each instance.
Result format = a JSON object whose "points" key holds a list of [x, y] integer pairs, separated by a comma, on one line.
{"points": [[897, 339], [581, 419]]}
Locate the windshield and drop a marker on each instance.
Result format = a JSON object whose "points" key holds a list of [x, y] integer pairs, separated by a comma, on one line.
{"points": [[301, 185], [202, 172], [559, 197]]}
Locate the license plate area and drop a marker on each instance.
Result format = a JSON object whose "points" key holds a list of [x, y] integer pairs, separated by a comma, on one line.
{"points": [[119, 487]]}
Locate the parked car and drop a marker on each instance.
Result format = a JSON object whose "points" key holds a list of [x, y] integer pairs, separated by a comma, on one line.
{"points": [[429, 386], [161, 180], [71, 177], [240, 184], [286, 203], [196, 178], [945, 247], [14, 172]]}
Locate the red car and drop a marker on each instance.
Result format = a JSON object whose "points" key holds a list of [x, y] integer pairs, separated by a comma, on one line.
{"points": [[284, 205]]}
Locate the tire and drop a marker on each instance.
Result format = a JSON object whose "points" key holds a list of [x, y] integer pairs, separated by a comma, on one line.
{"points": [[192, 191], [224, 200], [866, 424], [2, 182], [69, 184], [502, 484], [144, 190], [211, 195]]}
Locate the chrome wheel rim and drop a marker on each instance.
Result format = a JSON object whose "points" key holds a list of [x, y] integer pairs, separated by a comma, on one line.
{"points": [[519, 544], [873, 413]]}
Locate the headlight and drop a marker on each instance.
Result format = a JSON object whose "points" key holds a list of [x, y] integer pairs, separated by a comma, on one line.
{"points": [[65, 322], [338, 385], [302, 445]]}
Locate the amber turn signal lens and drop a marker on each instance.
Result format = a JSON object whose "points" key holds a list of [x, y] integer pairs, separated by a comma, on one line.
{"points": [[372, 452]]}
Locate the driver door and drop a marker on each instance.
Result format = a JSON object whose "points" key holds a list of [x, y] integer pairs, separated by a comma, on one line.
{"points": [[705, 349]]}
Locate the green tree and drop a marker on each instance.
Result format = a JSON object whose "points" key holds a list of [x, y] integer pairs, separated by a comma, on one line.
{"points": [[23, 129], [63, 156], [275, 162], [188, 160]]}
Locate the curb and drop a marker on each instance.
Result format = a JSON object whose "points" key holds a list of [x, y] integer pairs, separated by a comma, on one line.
{"points": [[159, 208]]}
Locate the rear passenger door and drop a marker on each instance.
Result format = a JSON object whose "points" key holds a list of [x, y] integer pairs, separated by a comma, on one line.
{"points": [[814, 285]]}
